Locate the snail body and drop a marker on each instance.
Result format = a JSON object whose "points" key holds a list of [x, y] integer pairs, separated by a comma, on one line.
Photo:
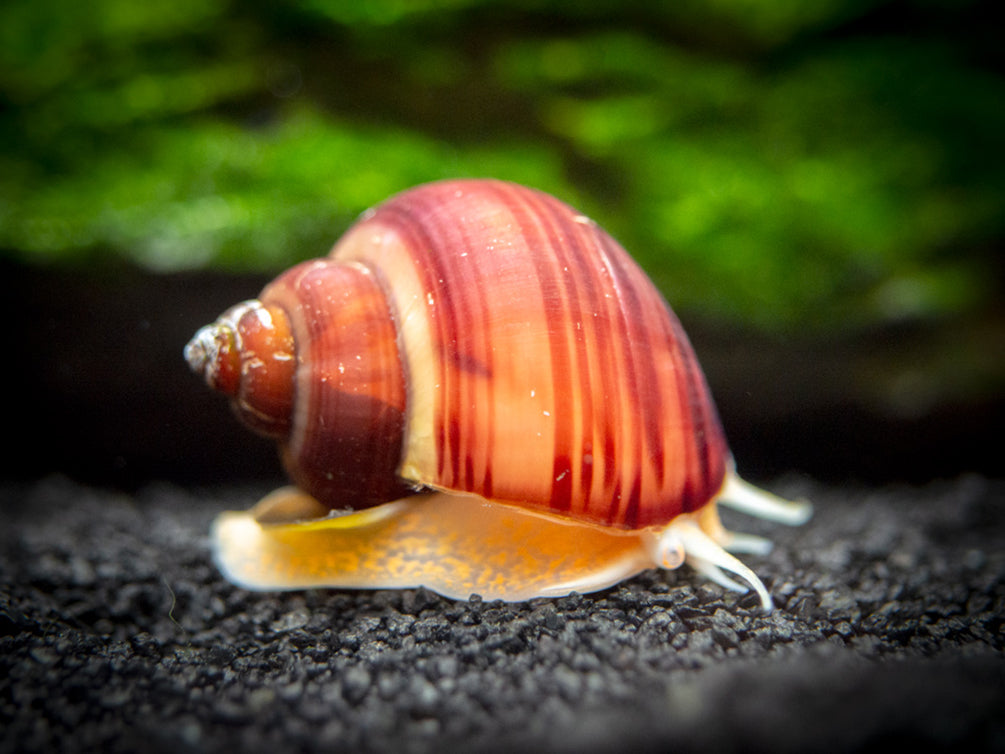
{"points": [[478, 391]]}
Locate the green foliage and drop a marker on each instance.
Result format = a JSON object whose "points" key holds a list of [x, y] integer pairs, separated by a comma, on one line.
{"points": [[785, 164]]}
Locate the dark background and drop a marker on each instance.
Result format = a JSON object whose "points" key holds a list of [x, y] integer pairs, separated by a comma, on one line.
{"points": [[816, 188]]}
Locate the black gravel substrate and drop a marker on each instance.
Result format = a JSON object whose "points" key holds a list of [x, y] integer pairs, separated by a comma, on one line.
{"points": [[118, 634]]}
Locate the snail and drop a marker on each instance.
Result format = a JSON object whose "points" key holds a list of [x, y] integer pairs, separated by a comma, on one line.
{"points": [[480, 392]]}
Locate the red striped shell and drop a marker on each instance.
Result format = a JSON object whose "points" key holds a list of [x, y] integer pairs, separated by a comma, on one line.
{"points": [[478, 337], [484, 337]]}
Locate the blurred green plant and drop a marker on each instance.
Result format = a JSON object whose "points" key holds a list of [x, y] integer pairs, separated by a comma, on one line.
{"points": [[784, 164]]}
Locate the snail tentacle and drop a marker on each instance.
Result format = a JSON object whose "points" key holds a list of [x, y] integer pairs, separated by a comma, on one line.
{"points": [[709, 558], [750, 544], [742, 496]]}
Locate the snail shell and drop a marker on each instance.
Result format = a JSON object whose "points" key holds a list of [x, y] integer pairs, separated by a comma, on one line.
{"points": [[478, 391]]}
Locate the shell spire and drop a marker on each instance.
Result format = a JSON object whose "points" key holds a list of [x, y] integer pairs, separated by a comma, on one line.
{"points": [[248, 355]]}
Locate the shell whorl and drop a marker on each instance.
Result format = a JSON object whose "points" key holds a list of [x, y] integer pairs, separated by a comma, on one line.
{"points": [[346, 432], [544, 368]]}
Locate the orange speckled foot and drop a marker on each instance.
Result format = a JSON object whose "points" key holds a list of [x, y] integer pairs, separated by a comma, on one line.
{"points": [[457, 545]]}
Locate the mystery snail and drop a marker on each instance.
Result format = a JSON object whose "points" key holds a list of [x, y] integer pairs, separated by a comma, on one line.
{"points": [[476, 391]]}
